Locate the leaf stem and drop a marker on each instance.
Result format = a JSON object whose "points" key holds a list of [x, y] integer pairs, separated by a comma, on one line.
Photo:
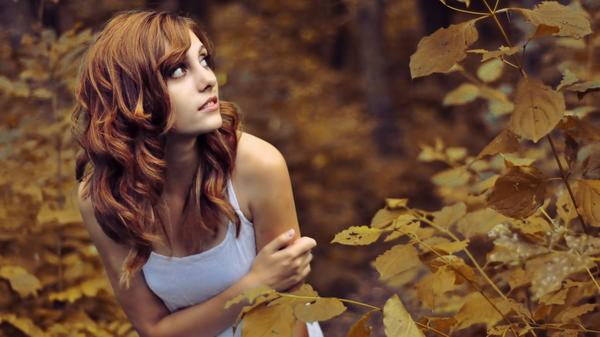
{"points": [[566, 182], [339, 299], [463, 10], [493, 14]]}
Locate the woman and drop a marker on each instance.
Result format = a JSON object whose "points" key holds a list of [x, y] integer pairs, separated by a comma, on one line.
{"points": [[185, 210]]}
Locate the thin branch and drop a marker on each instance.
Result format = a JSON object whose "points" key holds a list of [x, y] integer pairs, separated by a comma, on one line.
{"points": [[463, 10], [566, 182]]}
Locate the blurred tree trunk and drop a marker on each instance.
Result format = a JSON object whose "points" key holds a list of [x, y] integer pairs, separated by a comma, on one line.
{"points": [[16, 18], [373, 57]]}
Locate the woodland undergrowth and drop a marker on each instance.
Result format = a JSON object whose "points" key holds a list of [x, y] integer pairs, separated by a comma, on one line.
{"points": [[532, 194]]}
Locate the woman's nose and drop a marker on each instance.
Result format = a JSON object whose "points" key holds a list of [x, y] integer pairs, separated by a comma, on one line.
{"points": [[205, 78]]}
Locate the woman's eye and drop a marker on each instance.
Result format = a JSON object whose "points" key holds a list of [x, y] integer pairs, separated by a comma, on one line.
{"points": [[178, 72], [203, 60]]}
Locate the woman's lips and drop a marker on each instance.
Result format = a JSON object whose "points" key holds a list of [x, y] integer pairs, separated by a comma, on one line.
{"points": [[210, 106]]}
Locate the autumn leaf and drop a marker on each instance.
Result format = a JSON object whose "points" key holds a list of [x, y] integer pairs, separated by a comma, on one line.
{"points": [[268, 320], [394, 203], [397, 321], [26, 325], [23, 282], [321, 309], [476, 310], [465, 93], [501, 52], [385, 216], [251, 295], [584, 87], [504, 142], [400, 259], [438, 52], [588, 199], [357, 235], [490, 71], [550, 17], [571, 313], [434, 285], [361, 328], [519, 192], [538, 109], [449, 215], [568, 78]]}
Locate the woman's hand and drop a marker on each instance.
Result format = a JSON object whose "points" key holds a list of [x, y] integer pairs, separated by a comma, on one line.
{"points": [[281, 263]]}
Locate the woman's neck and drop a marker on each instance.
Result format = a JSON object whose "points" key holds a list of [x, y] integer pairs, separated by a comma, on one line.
{"points": [[182, 163]]}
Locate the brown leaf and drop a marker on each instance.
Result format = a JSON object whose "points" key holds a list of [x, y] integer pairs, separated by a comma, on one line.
{"points": [[438, 52], [519, 192], [538, 109], [588, 200], [505, 142], [361, 328], [556, 19], [584, 87], [579, 130]]}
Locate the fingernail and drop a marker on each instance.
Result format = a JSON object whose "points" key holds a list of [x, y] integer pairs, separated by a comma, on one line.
{"points": [[291, 233]]}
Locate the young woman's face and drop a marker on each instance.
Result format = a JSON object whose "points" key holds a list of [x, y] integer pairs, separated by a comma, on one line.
{"points": [[194, 93]]}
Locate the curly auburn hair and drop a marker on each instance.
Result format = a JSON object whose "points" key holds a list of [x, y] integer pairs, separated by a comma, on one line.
{"points": [[121, 118]]}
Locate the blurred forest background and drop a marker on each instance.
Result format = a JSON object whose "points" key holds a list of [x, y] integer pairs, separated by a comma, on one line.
{"points": [[327, 82]]}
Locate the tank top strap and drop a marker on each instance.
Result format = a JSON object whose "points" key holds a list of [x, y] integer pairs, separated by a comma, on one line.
{"points": [[232, 197]]}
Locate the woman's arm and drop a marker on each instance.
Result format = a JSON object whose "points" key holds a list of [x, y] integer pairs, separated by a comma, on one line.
{"points": [[263, 177], [145, 310]]}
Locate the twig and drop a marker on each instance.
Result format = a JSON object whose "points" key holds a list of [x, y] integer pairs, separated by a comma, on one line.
{"points": [[566, 182]]}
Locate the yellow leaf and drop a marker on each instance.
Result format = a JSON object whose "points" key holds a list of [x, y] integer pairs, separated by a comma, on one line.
{"points": [[588, 199], [385, 216], [267, 321], [357, 235], [490, 70], [434, 285], [463, 271], [449, 215], [584, 87], [479, 222], [396, 260], [465, 93], [451, 247], [321, 309], [554, 18], [568, 78], [538, 109], [393, 203], [361, 328], [452, 177], [571, 313], [397, 321], [26, 325], [438, 52], [21, 280], [502, 51], [504, 142], [456, 153], [251, 295], [519, 192], [476, 310]]}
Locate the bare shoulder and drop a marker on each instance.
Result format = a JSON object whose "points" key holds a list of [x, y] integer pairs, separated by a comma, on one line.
{"points": [[265, 186], [256, 155]]}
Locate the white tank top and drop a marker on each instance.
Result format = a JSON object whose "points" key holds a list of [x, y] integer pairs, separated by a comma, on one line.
{"points": [[184, 281]]}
